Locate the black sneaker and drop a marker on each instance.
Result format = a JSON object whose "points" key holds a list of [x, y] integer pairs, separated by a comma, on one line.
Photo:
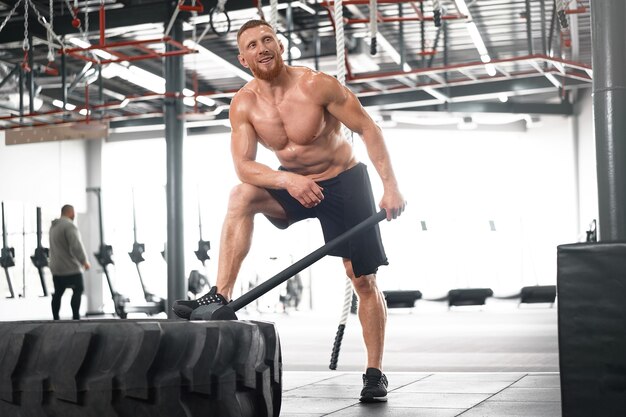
{"points": [[183, 308], [374, 386]]}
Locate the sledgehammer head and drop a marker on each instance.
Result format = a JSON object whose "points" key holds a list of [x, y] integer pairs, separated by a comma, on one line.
{"points": [[213, 312]]}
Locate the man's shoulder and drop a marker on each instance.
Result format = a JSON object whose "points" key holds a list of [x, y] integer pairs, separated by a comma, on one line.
{"points": [[317, 85], [247, 92], [245, 97]]}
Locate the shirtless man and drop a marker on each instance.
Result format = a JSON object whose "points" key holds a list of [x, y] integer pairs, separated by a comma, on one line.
{"points": [[297, 113]]}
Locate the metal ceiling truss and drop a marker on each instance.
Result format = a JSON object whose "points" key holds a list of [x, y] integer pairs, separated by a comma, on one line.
{"points": [[427, 61]]}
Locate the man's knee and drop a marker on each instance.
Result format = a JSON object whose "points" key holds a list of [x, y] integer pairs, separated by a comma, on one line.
{"points": [[248, 200], [242, 197], [364, 284]]}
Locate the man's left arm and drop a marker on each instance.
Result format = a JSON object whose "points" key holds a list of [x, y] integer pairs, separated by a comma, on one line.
{"points": [[345, 106]]}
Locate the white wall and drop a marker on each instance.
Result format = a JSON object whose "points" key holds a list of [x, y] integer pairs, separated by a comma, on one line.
{"points": [[45, 175]]}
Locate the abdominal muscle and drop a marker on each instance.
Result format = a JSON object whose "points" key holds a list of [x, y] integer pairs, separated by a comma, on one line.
{"points": [[322, 159]]}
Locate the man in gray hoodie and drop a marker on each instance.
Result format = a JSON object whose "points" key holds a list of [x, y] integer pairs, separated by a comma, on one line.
{"points": [[67, 261]]}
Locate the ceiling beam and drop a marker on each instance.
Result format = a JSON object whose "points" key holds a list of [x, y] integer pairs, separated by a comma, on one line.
{"points": [[466, 93], [561, 109], [135, 12]]}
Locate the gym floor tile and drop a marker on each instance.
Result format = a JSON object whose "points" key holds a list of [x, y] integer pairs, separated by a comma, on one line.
{"points": [[435, 400], [515, 409], [477, 376], [325, 391], [528, 394], [455, 387], [377, 410], [538, 381], [315, 406], [321, 394], [396, 379], [302, 415], [293, 380]]}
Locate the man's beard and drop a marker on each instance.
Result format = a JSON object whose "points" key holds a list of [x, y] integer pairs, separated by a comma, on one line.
{"points": [[272, 73]]}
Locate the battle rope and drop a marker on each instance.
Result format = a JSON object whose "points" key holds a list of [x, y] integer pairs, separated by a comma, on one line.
{"points": [[373, 26], [341, 55], [274, 14], [347, 304]]}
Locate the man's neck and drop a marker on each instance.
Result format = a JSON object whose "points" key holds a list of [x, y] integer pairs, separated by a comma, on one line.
{"points": [[278, 85]]}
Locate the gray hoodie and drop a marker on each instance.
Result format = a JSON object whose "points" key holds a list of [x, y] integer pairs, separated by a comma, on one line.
{"points": [[67, 254]]}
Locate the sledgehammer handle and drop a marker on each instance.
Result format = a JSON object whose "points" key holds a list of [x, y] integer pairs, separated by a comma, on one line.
{"points": [[305, 262]]}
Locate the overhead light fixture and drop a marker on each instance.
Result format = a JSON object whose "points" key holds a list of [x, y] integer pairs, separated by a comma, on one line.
{"points": [[84, 44], [476, 38], [491, 69], [59, 104], [124, 103], [214, 57], [207, 101], [296, 53], [503, 98], [461, 6], [146, 79], [135, 75]]}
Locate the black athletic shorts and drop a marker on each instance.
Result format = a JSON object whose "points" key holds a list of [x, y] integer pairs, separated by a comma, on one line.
{"points": [[348, 200]]}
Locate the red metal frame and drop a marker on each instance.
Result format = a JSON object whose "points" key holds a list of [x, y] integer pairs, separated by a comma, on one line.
{"points": [[29, 119], [189, 8], [470, 65], [349, 2], [404, 19], [83, 53], [148, 53]]}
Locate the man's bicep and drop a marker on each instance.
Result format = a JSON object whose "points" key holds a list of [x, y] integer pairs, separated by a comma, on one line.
{"points": [[243, 143]]}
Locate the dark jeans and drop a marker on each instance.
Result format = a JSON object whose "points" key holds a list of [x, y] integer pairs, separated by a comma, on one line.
{"points": [[61, 283]]}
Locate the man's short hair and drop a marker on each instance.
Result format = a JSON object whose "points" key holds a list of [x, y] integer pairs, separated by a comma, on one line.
{"points": [[252, 24], [66, 209]]}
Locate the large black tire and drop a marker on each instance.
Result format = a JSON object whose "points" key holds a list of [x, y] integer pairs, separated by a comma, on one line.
{"points": [[101, 368]]}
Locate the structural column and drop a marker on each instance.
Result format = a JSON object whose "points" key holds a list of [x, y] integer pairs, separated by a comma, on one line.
{"points": [[609, 104], [174, 137]]}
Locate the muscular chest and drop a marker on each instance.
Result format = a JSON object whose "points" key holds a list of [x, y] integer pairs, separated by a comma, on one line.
{"points": [[293, 121]]}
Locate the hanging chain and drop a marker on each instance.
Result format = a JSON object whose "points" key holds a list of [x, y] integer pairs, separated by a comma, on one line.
{"points": [[85, 33], [6, 19], [194, 16], [45, 24], [26, 43], [51, 18]]}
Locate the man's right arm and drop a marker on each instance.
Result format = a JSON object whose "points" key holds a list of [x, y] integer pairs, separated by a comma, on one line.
{"points": [[244, 148]]}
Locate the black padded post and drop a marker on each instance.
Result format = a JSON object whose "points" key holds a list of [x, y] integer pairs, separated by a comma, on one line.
{"points": [[591, 284], [538, 294], [469, 296], [402, 299]]}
